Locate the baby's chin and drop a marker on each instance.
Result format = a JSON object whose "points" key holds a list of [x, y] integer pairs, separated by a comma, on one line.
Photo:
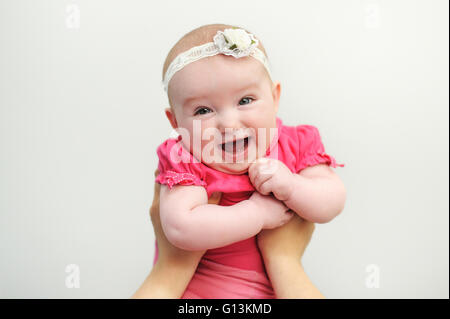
{"points": [[230, 168]]}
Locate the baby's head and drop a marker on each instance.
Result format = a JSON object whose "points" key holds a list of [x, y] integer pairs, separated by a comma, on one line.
{"points": [[219, 99]]}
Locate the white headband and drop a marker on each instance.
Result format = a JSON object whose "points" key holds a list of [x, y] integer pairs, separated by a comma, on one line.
{"points": [[235, 42]]}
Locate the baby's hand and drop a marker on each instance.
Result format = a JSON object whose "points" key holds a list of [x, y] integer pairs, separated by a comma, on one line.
{"points": [[270, 175], [273, 211]]}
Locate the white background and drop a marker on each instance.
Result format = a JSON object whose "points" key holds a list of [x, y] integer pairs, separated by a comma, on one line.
{"points": [[82, 114]]}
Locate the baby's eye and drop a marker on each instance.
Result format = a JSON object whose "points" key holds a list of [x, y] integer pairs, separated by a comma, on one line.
{"points": [[202, 110], [249, 99]]}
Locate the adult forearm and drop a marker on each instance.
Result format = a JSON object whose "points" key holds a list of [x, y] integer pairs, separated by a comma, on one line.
{"points": [[290, 281], [317, 199], [211, 226], [168, 282]]}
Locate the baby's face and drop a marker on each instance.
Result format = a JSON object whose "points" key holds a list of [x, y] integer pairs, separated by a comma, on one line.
{"points": [[221, 99]]}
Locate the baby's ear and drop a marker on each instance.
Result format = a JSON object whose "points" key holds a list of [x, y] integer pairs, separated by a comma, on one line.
{"points": [[171, 117], [276, 92]]}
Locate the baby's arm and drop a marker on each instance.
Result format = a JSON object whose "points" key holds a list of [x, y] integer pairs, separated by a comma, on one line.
{"points": [[190, 223], [316, 193], [174, 267]]}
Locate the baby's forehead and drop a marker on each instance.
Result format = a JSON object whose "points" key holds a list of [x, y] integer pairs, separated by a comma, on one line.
{"points": [[226, 64], [221, 71]]}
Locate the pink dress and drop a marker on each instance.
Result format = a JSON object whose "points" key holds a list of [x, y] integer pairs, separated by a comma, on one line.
{"points": [[237, 271]]}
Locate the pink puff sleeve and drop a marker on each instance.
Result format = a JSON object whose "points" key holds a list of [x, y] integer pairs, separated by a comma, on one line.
{"points": [[177, 166], [310, 149]]}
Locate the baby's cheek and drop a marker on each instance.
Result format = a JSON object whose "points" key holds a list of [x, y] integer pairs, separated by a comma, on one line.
{"points": [[264, 137], [209, 151]]}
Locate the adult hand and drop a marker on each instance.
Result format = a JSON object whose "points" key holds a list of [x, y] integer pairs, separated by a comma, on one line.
{"points": [[174, 267], [282, 249], [288, 241]]}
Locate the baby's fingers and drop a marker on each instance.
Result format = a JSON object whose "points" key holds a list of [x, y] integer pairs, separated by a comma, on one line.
{"points": [[265, 188], [261, 180], [282, 219], [287, 217], [260, 167]]}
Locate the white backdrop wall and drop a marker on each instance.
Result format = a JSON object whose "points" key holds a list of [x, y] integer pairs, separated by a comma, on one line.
{"points": [[82, 114]]}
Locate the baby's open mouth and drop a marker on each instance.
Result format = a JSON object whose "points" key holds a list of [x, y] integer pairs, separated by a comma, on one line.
{"points": [[237, 146]]}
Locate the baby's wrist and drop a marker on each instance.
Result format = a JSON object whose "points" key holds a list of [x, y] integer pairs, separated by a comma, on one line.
{"points": [[253, 208], [292, 185], [286, 190]]}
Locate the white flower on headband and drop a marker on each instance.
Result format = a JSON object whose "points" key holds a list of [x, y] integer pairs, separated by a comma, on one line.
{"points": [[235, 42]]}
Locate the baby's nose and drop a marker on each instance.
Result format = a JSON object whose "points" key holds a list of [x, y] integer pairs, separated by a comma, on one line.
{"points": [[229, 120]]}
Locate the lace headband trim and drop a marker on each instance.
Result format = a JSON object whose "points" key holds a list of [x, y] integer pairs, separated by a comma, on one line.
{"points": [[235, 42]]}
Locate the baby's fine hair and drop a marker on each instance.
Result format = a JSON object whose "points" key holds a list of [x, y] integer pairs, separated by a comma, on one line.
{"points": [[199, 36]]}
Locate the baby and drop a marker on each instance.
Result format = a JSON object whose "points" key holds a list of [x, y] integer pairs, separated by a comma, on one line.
{"points": [[223, 103]]}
